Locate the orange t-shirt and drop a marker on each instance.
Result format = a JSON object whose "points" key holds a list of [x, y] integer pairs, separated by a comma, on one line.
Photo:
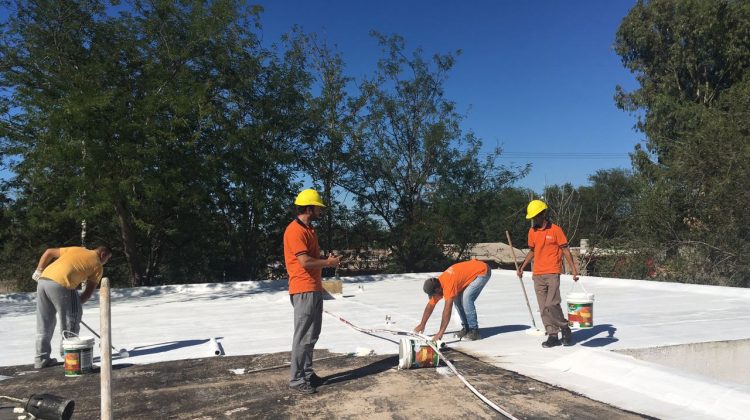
{"points": [[457, 277], [547, 243], [301, 239]]}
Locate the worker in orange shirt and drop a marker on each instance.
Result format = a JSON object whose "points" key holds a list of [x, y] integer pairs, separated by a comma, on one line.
{"points": [[547, 245], [305, 267], [459, 285]]}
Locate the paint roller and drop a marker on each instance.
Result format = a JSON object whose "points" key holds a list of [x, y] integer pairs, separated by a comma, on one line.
{"points": [[123, 353]]}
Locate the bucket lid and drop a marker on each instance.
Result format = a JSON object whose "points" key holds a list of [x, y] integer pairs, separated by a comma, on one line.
{"points": [[404, 353], [78, 342], [580, 297]]}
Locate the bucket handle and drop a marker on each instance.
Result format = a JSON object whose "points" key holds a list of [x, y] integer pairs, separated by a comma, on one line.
{"points": [[69, 334], [579, 283]]}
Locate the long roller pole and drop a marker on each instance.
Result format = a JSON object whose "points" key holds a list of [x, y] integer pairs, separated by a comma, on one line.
{"points": [[515, 261]]}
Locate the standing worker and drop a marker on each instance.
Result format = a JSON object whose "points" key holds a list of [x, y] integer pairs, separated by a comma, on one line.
{"points": [[547, 245], [460, 284], [305, 268], [56, 292]]}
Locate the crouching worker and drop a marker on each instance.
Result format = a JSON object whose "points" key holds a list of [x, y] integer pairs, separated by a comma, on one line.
{"points": [[59, 273], [460, 284]]}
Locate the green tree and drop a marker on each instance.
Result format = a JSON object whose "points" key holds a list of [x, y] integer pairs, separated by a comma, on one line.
{"points": [[407, 153], [692, 60], [606, 206], [165, 127], [333, 113]]}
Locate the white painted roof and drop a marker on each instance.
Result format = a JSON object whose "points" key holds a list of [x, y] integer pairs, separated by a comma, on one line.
{"points": [[176, 322]]}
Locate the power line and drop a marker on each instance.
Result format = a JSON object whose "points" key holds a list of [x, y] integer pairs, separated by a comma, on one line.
{"points": [[563, 155]]}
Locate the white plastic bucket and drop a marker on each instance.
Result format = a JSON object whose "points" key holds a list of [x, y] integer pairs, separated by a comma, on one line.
{"points": [[415, 353], [580, 309], [79, 354]]}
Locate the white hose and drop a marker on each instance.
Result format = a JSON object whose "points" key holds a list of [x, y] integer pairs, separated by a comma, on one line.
{"points": [[437, 350]]}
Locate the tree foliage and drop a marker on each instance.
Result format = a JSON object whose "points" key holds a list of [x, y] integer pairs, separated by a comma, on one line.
{"points": [[180, 140], [409, 163], [692, 60], [168, 119]]}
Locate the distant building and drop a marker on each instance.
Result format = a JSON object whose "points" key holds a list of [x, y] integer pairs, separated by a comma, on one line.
{"points": [[496, 252]]}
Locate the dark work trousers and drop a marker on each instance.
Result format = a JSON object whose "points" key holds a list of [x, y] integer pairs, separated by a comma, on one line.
{"points": [[308, 318], [53, 299], [547, 288]]}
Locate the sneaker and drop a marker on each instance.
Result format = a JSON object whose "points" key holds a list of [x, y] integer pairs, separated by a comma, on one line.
{"points": [[45, 363], [552, 341], [567, 339], [315, 380], [303, 388], [461, 334], [473, 335]]}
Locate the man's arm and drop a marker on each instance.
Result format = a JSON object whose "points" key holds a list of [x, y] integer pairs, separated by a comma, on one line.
{"points": [[309, 263], [569, 259], [525, 262], [447, 311], [47, 257], [88, 291], [425, 316]]}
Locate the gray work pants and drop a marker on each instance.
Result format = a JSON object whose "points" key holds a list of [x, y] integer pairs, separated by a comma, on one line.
{"points": [[547, 288], [308, 318], [51, 299]]}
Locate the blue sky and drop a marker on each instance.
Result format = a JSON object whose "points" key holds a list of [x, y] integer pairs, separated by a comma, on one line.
{"points": [[535, 77]]}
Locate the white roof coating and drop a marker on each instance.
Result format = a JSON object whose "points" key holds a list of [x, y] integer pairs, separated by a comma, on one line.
{"points": [[176, 322]]}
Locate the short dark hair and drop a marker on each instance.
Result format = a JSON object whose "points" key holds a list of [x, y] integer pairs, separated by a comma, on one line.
{"points": [[104, 250], [430, 285], [302, 209]]}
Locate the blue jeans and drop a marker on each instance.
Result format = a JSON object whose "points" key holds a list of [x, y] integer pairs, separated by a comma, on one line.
{"points": [[465, 301]]}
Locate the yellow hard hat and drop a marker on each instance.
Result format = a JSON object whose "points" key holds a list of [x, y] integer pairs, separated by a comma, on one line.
{"points": [[535, 207], [309, 197]]}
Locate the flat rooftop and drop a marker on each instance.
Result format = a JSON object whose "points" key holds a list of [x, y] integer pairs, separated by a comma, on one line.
{"points": [[668, 350]]}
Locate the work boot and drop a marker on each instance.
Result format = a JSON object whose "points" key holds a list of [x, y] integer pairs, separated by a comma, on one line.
{"points": [[303, 388], [567, 339], [473, 335], [315, 380], [45, 363], [552, 341], [461, 334]]}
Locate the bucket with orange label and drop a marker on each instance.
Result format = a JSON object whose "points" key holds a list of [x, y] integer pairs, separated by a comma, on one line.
{"points": [[580, 310], [415, 353]]}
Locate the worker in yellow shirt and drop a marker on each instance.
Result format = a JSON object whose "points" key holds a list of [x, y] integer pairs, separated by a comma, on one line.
{"points": [[59, 273]]}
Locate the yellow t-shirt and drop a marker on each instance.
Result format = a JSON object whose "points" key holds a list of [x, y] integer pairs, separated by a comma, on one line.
{"points": [[75, 265]]}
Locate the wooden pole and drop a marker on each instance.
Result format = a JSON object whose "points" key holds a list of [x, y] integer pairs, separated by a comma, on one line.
{"points": [[515, 261], [106, 349]]}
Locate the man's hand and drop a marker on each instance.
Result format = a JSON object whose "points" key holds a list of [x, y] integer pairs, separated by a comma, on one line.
{"points": [[575, 277], [333, 261], [419, 329], [36, 275], [437, 337], [520, 272]]}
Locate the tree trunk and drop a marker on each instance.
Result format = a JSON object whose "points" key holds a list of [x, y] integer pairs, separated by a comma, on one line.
{"points": [[127, 233]]}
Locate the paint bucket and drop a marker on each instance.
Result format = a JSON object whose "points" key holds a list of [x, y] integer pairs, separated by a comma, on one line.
{"points": [[79, 354], [580, 309], [414, 353]]}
